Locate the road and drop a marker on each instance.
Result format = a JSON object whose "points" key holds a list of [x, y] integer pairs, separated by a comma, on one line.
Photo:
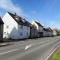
{"points": [[32, 49]]}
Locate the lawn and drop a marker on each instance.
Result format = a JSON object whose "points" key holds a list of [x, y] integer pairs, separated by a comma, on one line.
{"points": [[56, 55]]}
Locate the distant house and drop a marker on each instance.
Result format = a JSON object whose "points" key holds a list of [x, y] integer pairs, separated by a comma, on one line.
{"points": [[54, 32], [15, 27], [48, 32], [33, 32], [38, 27], [1, 30]]}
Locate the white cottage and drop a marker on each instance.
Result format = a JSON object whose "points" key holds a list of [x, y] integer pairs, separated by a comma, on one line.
{"points": [[38, 27], [54, 32], [33, 32], [48, 32], [15, 27]]}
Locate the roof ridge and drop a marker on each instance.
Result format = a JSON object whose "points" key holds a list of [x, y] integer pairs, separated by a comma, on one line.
{"points": [[19, 19]]}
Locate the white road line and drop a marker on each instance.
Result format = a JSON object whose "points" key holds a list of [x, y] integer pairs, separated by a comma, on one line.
{"points": [[8, 51], [51, 53], [28, 46]]}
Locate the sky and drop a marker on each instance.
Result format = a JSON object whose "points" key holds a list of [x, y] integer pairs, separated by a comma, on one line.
{"points": [[47, 12]]}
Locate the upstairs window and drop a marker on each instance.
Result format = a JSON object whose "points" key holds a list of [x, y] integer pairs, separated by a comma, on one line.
{"points": [[21, 26], [7, 26], [21, 34]]}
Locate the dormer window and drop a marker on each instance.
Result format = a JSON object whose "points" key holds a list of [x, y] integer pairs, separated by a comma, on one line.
{"points": [[16, 17], [23, 20]]}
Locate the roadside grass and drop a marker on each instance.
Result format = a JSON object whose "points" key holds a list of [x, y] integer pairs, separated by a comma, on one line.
{"points": [[56, 55]]}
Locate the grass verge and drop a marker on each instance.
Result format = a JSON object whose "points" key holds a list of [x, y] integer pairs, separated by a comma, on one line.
{"points": [[56, 55]]}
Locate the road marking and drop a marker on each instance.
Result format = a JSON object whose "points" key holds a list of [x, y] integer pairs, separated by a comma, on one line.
{"points": [[8, 51], [28, 46], [51, 53]]}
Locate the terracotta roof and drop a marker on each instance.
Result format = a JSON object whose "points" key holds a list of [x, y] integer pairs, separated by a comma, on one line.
{"points": [[19, 19], [38, 23], [1, 22]]}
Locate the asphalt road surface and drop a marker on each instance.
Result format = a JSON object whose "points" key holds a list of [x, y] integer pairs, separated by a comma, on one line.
{"points": [[32, 49]]}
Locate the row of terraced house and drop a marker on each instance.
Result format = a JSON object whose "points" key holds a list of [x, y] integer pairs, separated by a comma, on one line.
{"points": [[13, 26]]}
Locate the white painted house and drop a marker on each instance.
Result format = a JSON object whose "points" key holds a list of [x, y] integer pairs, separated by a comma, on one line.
{"points": [[33, 32], [38, 27], [15, 27], [48, 32], [54, 32]]}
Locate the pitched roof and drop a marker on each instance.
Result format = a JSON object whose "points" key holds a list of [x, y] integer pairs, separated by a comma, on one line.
{"points": [[19, 20], [26, 22], [1, 22], [38, 23], [48, 29]]}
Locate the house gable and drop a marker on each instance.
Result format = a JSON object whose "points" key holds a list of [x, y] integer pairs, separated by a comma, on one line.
{"points": [[7, 19], [9, 25], [20, 20], [38, 26], [34, 25]]}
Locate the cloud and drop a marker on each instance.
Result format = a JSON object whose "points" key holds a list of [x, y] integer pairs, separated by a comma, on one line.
{"points": [[9, 6]]}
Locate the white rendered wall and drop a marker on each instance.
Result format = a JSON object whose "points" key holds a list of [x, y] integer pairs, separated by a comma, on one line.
{"points": [[14, 31]]}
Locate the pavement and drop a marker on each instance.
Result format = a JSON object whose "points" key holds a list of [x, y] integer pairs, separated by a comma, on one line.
{"points": [[32, 49], [3, 44]]}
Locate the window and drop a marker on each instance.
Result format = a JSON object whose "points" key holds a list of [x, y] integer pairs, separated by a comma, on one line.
{"points": [[27, 33], [21, 26], [21, 34], [4, 32], [7, 26], [27, 28]]}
